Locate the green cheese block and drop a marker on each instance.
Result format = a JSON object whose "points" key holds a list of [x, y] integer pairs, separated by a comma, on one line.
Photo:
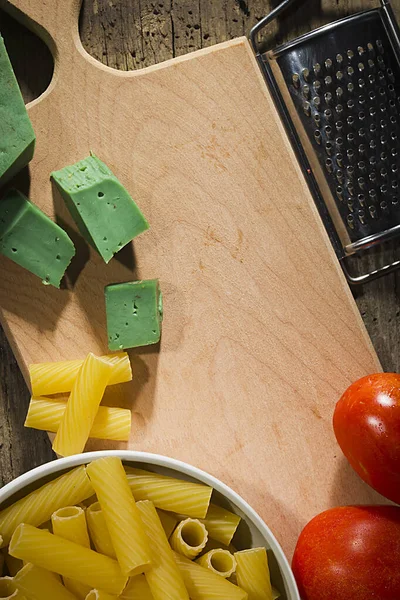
{"points": [[29, 238], [17, 138], [105, 213], [134, 314]]}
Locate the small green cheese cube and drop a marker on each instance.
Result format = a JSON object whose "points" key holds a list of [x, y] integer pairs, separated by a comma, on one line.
{"points": [[105, 213], [134, 314], [17, 138], [29, 238]]}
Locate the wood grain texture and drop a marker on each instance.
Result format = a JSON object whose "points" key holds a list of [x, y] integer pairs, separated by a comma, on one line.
{"points": [[198, 259]]}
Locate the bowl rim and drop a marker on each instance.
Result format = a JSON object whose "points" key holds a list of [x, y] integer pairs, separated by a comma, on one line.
{"points": [[60, 464]]}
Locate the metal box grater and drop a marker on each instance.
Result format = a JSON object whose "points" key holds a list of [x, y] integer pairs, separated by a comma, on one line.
{"points": [[337, 90]]}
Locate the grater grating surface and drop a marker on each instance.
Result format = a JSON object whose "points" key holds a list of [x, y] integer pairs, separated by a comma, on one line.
{"points": [[348, 102], [338, 91]]}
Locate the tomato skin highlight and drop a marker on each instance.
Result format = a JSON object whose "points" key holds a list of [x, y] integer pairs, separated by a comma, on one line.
{"points": [[366, 422], [350, 553]]}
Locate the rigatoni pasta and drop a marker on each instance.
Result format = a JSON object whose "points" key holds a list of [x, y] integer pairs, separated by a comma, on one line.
{"points": [[70, 523], [38, 506], [221, 524], [38, 584], [122, 516], [58, 377], [99, 595], [109, 423], [82, 406], [53, 553], [8, 590], [219, 561], [164, 579], [99, 531], [252, 573], [189, 538], [168, 493], [203, 584], [168, 521], [137, 589]]}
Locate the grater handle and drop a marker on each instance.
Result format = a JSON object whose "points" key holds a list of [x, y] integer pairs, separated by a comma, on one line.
{"points": [[264, 22], [371, 275]]}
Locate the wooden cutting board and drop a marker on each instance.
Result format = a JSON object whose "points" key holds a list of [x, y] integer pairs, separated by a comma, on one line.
{"points": [[261, 334]]}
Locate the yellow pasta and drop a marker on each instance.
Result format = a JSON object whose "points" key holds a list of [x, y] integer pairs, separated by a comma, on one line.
{"points": [[275, 593], [189, 538], [99, 595], [8, 590], [221, 524], [82, 406], [70, 523], [219, 561], [98, 530], [252, 573], [59, 377], [38, 584], [203, 584], [175, 495], [38, 506], [121, 514], [164, 578], [53, 553], [168, 521], [137, 589], [109, 423], [13, 564]]}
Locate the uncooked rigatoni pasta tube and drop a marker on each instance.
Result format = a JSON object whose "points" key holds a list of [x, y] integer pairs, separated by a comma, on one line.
{"points": [[53, 553], [189, 538], [38, 584], [137, 589], [121, 514], [38, 506], [59, 377], [164, 579], [109, 423], [168, 521], [175, 495], [252, 573], [8, 590], [99, 595], [70, 523], [82, 406], [98, 530], [221, 524], [219, 561], [203, 584]]}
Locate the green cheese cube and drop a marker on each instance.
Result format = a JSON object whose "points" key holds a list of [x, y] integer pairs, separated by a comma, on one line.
{"points": [[134, 314], [29, 238], [17, 138], [105, 213]]}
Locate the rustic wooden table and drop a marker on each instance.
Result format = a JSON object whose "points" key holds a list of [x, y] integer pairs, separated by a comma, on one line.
{"points": [[131, 34]]}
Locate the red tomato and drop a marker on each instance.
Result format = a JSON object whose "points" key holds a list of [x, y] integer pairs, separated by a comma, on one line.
{"points": [[350, 553], [367, 427]]}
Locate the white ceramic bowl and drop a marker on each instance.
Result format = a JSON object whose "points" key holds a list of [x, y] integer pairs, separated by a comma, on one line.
{"points": [[252, 531]]}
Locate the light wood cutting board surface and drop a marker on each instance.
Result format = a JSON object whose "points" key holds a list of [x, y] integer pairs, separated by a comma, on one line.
{"points": [[261, 334]]}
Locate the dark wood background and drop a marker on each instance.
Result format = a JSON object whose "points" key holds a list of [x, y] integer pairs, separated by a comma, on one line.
{"points": [[132, 34]]}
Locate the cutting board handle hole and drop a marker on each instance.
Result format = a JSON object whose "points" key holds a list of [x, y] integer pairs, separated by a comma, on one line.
{"points": [[34, 67]]}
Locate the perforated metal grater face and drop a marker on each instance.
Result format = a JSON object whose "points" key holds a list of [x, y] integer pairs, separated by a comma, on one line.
{"points": [[339, 89]]}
